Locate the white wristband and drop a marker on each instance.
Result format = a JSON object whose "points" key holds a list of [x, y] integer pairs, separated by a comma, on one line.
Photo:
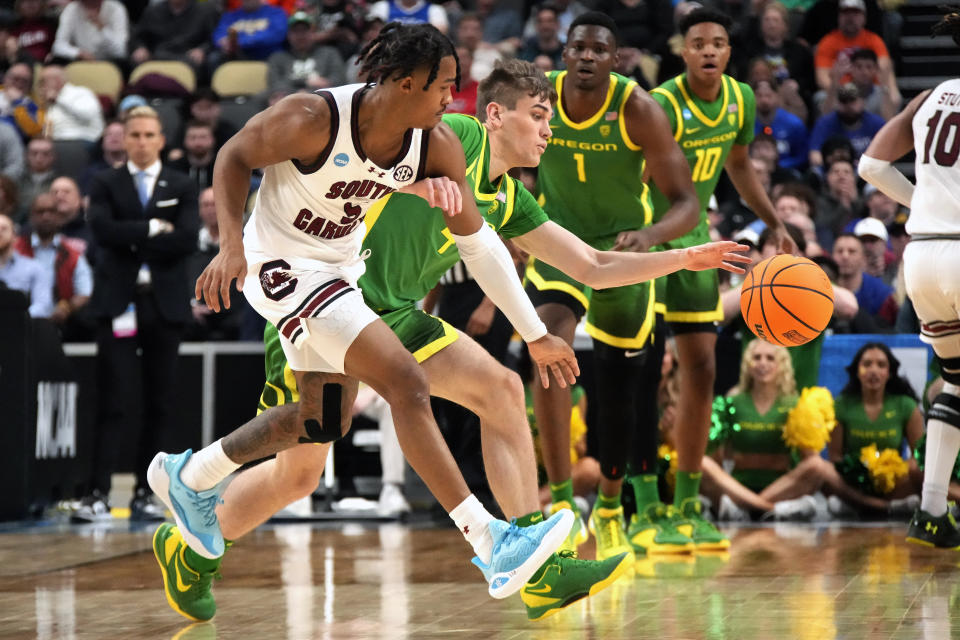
{"points": [[491, 266]]}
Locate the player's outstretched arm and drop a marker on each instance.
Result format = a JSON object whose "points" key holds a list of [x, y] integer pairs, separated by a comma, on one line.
{"points": [[649, 128], [559, 248], [892, 142], [748, 185], [491, 264], [297, 127]]}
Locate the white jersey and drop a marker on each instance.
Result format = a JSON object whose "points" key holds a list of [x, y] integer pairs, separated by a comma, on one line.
{"points": [[312, 216], [935, 207]]}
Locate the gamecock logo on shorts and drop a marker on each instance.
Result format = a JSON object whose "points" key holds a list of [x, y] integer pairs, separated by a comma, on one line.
{"points": [[402, 173], [276, 283]]}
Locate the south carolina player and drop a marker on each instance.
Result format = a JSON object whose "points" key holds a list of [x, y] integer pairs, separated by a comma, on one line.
{"points": [[930, 125], [327, 157]]}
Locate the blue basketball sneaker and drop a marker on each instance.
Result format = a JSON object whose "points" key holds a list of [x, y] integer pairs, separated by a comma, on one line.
{"points": [[193, 510], [519, 551]]}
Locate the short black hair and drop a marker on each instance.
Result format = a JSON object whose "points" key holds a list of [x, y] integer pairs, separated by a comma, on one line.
{"points": [[863, 54], [401, 49], [595, 19], [698, 16], [949, 25]]}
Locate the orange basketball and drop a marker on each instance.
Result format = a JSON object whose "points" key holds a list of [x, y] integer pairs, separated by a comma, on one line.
{"points": [[787, 300]]}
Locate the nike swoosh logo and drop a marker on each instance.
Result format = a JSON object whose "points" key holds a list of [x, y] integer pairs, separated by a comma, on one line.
{"points": [[544, 589], [632, 354], [693, 130], [178, 570], [889, 414]]}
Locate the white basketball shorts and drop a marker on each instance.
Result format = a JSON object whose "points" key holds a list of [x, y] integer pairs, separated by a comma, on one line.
{"points": [[318, 313], [931, 271]]}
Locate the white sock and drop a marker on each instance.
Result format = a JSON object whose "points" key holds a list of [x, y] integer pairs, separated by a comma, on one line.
{"points": [[207, 467], [473, 519], [943, 444]]}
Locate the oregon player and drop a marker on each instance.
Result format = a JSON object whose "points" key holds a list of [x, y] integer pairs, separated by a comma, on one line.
{"points": [[408, 247], [605, 129], [711, 116]]}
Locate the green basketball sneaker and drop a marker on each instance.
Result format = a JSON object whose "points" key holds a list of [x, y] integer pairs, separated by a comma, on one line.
{"points": [[654, 531], [578, 533], [940, 532], [188, 591], [705, 536], [566, 579], [608, 527]]}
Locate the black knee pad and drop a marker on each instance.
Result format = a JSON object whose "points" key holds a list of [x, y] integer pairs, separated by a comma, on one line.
{"points": [[950, 369], [945, 408], [329, 429]]}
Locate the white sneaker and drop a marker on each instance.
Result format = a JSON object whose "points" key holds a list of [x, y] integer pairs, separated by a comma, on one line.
{"points": [[840, 509], [803, 509], [903, 507], [392, 502], [730, 511], [93, 508]]}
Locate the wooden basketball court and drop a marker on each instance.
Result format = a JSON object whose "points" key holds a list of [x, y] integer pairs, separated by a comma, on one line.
{"points": [[395, 581]]}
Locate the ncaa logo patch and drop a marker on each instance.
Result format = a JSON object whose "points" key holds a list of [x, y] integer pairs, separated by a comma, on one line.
{"points": [[402, 173], [686, 114], [341, 159]]}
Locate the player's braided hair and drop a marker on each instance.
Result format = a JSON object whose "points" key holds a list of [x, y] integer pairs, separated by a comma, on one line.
{"points": [[401, 49], [949, 25]]}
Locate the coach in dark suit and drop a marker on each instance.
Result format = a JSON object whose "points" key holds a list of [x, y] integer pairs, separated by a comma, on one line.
{"points": [[145, 222]]}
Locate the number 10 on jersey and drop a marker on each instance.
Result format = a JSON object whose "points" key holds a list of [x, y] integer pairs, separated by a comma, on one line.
{"points": [[707, 161]]}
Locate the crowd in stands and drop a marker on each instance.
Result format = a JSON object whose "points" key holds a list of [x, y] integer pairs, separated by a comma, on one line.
{"points": [[821, 70]]}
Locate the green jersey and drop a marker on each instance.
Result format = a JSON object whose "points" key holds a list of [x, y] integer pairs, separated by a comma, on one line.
{"points": [[408, 244], [737, 422], [706, 132], [591, 175], [887, 431]]}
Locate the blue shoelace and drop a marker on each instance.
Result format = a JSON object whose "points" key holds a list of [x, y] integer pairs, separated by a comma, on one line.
{"points": [[207, 506]]}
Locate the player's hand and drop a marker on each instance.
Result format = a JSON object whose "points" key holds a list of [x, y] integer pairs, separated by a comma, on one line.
{"points": [[784, 242], [637, 241], [553, 355], [214, 283], [716, 255], [438, 192], [482, 318]]}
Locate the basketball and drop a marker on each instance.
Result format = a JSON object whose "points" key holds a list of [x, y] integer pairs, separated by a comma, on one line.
{"points": [[787, 300]]}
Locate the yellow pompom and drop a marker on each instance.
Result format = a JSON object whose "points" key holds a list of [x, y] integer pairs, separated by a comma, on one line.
{"points": [[668, 453], [811, 421], [884, 467]]}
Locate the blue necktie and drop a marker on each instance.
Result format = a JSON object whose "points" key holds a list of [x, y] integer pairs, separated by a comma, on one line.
{"points": [[142, 188]]}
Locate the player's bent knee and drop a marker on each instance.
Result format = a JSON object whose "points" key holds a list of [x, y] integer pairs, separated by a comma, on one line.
{"points": [[945, 408], [408, 390], [301, 481], [330, 425]]}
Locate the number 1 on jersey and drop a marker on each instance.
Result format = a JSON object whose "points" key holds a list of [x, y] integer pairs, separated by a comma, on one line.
{"points": [[581, 172]]}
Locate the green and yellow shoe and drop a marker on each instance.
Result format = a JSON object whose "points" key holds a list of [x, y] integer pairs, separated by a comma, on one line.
{"points": [[188, 591], [705, 536], [578, 533], [566, 579], [940, 532], [654, 531], [608, 526]]}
